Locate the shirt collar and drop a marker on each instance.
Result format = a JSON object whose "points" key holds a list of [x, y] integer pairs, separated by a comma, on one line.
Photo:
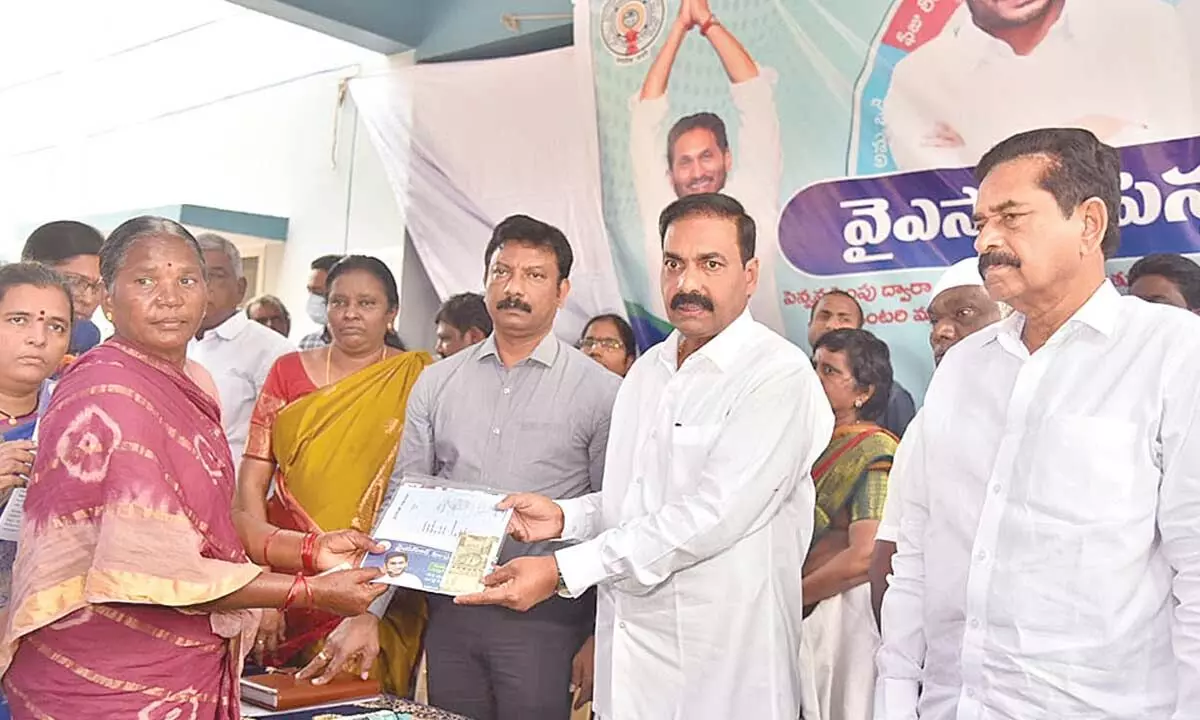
{"points": [[545, 353], [724, 350], [1099, 313], [976, 46], [232, 327]]}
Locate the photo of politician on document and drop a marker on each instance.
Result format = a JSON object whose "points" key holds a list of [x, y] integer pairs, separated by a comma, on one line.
{"points": [[440, 540]]}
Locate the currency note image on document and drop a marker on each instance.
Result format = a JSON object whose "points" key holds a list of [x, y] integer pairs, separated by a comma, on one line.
{"points": [[440, 540]]}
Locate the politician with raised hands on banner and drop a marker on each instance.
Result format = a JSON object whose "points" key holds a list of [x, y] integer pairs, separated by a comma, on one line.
{"points": [[696, 541]]}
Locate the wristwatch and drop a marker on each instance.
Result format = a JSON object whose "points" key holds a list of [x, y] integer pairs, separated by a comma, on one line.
{"points": [[562, 590]]}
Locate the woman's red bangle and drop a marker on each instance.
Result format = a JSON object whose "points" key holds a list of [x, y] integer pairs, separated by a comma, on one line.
{"points": [[267, 546], [292, 591], [308, 553]]}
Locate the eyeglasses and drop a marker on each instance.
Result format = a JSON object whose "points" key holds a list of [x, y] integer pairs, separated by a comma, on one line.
{"points": [[80, 285], [605, 343]]}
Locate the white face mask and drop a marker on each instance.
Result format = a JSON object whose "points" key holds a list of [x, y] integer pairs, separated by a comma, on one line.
{"points": [[315, 307]]}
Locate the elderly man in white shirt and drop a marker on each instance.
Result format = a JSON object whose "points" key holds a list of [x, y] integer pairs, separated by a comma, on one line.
{"points": [[1049, 551], [235, 350], [1119, 68], [960, 307], [697, 154], [707, 507]]}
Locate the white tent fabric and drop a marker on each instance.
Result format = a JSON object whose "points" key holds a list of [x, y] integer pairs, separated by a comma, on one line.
{"points": [[467, 144]]}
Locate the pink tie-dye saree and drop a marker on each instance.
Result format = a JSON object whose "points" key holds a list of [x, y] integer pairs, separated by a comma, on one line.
{"points": [[127, 522]]}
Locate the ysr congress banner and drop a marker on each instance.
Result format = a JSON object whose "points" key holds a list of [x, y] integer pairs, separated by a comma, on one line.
{"points": [[847, 129]]}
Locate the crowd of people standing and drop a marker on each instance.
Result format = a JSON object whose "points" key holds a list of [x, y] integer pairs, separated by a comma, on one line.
{"points": [[721, 527]]}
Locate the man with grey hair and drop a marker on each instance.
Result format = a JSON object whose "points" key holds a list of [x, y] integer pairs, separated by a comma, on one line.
{"points": [[236, 351]]}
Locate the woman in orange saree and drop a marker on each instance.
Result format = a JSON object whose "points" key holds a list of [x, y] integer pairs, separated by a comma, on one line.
{"points": [[326, 429], [132, 589]]}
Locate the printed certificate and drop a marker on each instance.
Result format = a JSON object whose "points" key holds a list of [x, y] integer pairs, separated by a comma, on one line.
{"points": [[441, 540]]}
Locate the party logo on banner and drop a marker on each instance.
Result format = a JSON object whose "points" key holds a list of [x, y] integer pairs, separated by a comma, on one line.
{"points": [[629, 27]]}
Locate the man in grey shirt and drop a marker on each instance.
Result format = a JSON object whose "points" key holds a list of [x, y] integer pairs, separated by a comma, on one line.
{"points": [[519, 412]]}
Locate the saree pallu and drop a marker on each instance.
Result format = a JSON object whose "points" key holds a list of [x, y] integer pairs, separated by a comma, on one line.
{"points": [[844, 471], [128, 522], [334, 449], [838, 640]]}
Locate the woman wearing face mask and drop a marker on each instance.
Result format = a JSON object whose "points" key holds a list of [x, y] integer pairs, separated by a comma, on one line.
{"points": [[326, 428], [314, 307]]}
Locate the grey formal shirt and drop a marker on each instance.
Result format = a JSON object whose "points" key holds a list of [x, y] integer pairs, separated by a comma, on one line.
{"points": [[540, 426]]}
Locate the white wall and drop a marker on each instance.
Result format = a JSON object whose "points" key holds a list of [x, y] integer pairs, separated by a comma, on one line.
{"points": [[200, 102]]}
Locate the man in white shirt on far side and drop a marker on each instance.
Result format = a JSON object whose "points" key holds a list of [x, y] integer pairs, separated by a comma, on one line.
{"points": [[1048, 563], [696, 541], [697, 153], [235, 350], [960, 307], [1120, 68]]}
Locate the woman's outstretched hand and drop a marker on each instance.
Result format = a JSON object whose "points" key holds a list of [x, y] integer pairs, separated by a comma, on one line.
{"points": [[346, 592], [344, 546]]}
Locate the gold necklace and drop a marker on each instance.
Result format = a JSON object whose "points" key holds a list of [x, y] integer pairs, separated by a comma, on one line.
{"points": [[12, 419], [329, 362]]}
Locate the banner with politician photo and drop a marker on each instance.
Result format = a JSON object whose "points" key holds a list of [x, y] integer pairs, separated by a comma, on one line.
{"points": [[848, 130]]}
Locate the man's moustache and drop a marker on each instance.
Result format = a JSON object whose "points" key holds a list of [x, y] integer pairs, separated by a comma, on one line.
{"points": [[512, 303], [997, 259], [682, 299]]}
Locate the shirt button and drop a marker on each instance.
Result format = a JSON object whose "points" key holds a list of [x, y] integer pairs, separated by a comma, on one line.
{"points": [[975, 623], [970, 692], [981, 555], [495, 431], [507, 390], [996, 489], [622, 625]]}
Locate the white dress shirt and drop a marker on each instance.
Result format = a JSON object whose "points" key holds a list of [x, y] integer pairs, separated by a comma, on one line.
{"points": [[1121, 59], [889, 525], [238, 354], [754, 181], [699, 534], [1049, 552]]}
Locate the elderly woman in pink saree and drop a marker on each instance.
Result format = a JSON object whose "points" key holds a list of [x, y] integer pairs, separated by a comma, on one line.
{"points": [[132, 592]]}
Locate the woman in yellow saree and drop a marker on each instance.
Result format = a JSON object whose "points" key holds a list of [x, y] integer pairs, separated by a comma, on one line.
{"points": [[326, 429]]}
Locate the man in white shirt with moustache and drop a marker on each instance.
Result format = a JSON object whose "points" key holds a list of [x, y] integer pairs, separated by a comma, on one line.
{"points": [[1049, 551], [235, 350], [1119, 68], [707, 509]]}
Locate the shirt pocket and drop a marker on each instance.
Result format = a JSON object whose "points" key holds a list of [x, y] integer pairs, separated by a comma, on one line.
{"points": [[1084, 471], [690, 446]]}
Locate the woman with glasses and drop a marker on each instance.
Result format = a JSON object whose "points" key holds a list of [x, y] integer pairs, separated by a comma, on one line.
{"points": [[73, 249], [608, 340]]}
